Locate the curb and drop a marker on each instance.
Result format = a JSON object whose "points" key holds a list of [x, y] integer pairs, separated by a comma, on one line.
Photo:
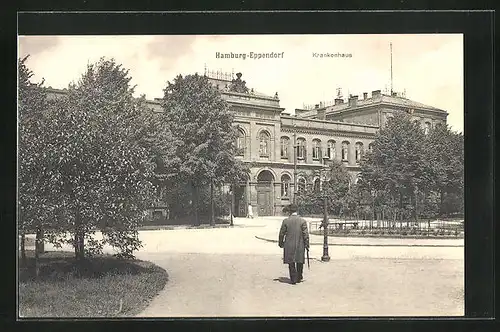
{"points": [[176, 227], [373, 245]]}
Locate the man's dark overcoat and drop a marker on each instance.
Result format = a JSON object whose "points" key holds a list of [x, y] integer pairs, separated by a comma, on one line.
{"points": [[293, 238]]}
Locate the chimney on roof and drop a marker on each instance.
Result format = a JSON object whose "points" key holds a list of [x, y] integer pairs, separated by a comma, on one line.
{"points": [[376, 93], [321, 114], [394, 94], [365, 95], [353, 101], [339, 101]]}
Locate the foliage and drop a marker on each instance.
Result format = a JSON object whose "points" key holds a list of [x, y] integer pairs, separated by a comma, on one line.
{"points": [[34, 193], [335, 186], [180, 201], [406, 168], [200, 119], [98, 149], [446, 151]]}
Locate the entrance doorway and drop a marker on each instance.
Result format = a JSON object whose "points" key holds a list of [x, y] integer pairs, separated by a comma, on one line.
{"points": [[265, 181]]}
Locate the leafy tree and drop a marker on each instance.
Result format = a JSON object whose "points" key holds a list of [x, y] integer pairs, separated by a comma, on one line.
{"points": [[445, 149], [34, 193], [335, 186], [397, 168], [101, 146], [200, 119]]}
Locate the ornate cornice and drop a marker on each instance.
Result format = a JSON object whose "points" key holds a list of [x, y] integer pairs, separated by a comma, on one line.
{"points": [[245, 104], [341, 133]]}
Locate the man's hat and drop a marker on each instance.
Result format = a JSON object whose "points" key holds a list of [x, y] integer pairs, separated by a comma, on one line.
{"points": [[292, 208]]}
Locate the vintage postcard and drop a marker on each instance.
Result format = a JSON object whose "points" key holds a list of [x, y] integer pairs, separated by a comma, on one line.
{"points": [[241, 175]]}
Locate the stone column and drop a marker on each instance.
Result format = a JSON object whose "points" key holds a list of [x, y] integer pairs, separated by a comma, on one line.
{"points": [[309, 148], [252, 139], [338, 150], [352, 153]]}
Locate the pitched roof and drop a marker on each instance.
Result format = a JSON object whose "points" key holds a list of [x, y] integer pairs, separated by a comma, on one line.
{"points": [[385, 100]]}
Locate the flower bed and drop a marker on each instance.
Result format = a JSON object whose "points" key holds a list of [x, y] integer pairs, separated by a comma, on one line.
{"points": [[394, 233]]}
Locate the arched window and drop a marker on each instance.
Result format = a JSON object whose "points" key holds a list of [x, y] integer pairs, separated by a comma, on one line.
{"points": [[331, 150], [240, 143], [427, 127], [370, 147], [264, 144], [285, 186], [317, 185], [284, 142], [301, 183], [301, 148], [316, 149], [345, 150], [359, 151]]}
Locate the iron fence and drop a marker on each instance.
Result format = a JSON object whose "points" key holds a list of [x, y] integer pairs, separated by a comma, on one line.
{"points": [[450, 228]]}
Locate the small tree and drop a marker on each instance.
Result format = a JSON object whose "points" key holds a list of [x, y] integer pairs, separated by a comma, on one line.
{"points": [[445, 149], [34, 190], [201, 121], [101, 166], [335, 186], [397, 165]]}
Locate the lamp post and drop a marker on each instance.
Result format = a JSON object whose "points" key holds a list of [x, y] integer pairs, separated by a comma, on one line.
{"points": [[325, 257], [373, 194], [294, 165], [232, 204]]}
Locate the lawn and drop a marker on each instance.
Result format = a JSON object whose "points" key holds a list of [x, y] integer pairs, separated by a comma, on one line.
{"points": [[105, 286]]}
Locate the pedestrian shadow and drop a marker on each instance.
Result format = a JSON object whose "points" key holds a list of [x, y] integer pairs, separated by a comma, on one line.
{"points": [[284, 280]]}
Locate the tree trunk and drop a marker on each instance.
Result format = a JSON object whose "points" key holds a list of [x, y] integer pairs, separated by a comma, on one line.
{"points": [[212, 212], [79, 238], [37, 251], [416, 205], [400, 207], [441, 204], [232, 204], [195, 204], [23, 249], [39, 244], [37, 262], [394, 215]]}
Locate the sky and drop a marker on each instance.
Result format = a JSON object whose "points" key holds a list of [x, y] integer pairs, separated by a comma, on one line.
{"points": [[429, 67]]}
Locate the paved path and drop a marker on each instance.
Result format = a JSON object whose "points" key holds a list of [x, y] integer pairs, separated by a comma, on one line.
{"points": [[214, 285], [229, 272]]}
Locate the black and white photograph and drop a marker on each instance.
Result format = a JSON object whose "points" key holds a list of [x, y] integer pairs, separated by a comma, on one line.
{"points": [[297, 175]]}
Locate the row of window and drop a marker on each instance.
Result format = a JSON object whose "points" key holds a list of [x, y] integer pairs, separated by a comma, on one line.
{"points": [[317, 152], [427, 124]]}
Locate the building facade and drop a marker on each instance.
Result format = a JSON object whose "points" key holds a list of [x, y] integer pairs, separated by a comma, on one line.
{"points": [[287, 153]]}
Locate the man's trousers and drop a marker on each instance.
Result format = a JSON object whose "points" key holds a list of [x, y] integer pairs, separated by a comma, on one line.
{"points": [[296, 270]]}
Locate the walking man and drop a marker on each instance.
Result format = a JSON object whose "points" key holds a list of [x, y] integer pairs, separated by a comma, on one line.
{"points": [[294, 239]]}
